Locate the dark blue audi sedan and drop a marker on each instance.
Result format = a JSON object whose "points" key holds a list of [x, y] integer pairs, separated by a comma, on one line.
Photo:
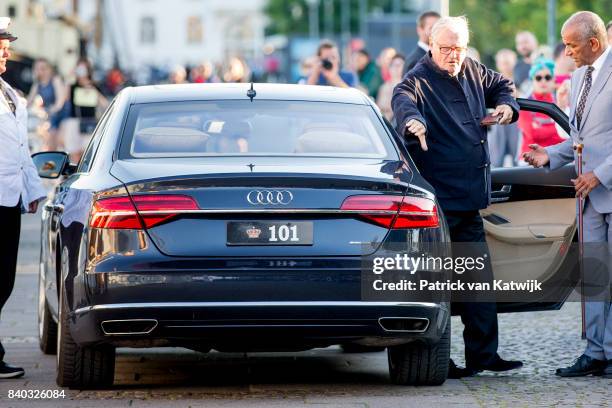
{"points": [[236, 218]]}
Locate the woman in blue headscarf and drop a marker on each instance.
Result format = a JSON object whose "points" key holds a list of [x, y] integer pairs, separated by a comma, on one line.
{"points": [[539, 128]]}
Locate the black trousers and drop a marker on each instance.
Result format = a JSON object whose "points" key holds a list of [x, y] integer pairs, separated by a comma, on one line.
{"points": [[10, 221], [480, 333]]}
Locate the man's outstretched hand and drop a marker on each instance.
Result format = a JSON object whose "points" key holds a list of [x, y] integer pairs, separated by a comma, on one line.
{"points": [[504, 114], [536, 156], [416, 128]]}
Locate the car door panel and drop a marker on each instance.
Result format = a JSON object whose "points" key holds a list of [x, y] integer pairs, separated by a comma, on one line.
{"points": [[528, 241], [546, 220], [531, 223]]}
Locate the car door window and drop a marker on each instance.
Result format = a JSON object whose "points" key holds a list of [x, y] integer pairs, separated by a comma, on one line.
{"points": [[87, 158], [507, 143]]}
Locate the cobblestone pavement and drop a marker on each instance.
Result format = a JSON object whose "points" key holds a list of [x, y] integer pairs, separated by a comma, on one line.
{"points": [[323, 377]]}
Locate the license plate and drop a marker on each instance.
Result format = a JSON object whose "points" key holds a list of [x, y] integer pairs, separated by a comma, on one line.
{"points": [[269, 233]]}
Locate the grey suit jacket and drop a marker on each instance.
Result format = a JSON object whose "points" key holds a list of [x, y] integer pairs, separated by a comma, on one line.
{"points": [[595, 134]]}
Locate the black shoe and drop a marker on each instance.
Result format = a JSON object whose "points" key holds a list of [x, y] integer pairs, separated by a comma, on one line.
{"points": [[583, 366], [456, 372], [499, 365], [8, 371], [608, 371]]}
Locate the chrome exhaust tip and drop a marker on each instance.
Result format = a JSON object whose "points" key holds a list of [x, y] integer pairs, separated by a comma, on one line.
{"points": [[128, 326], [404, 324]]}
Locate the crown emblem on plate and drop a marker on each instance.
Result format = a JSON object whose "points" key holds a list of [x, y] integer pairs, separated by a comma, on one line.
{"points": [[253, 232]]}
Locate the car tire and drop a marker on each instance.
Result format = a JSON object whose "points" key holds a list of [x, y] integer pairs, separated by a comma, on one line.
{"points": [[79, 367], [358, 348], [419, 363], [47, 327]]}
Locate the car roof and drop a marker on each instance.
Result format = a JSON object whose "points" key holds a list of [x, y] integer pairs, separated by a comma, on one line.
{"points": [[238, 91]]}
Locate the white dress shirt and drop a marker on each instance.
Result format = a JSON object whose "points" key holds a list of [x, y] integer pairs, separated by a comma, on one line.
{"points": [[18, 176], [423, 46], [597, 65]]}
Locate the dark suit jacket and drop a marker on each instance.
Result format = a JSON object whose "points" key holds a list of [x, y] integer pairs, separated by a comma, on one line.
{"points": [[414, 57], [457, 163]]}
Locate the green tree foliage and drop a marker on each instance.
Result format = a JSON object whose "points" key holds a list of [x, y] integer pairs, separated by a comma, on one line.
{"points": [[493, 23], [291, 16], [286, 17]]}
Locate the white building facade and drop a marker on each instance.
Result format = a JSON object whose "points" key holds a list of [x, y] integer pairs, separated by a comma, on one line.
{"points": [[164, 33], [39, 36]]}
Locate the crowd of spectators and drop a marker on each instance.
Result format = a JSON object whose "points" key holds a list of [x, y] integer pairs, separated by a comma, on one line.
{"points": [[538, 72]]}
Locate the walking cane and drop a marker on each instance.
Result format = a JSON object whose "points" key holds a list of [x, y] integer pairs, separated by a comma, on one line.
{"points": [[578, 148]]}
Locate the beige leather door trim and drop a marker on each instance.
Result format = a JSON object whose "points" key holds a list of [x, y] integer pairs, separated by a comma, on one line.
{"points": [[527, 234], [530, 245]]}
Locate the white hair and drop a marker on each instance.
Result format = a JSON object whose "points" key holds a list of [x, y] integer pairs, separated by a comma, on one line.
{"points": [[458, 25], [589, 25]]}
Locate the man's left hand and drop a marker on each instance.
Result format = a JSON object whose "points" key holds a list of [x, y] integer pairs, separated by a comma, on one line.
{"points": [[33, 207], [505, 114], [585, 184]]}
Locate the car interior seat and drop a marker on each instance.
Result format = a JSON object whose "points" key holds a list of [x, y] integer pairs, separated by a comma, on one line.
{"points": [[331, 138]]}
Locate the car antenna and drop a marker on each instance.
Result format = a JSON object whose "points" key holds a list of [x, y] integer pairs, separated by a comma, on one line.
{"points": [[251, 93]]}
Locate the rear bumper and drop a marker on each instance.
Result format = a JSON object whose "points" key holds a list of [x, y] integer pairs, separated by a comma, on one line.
{"points": [[238, 303], [256, 325]]}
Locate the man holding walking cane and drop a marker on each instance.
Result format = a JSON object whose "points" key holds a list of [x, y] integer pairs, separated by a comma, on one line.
{"points": [[590, 145]]}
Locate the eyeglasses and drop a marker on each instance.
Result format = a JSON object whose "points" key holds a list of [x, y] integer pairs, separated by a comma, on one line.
{"points": [[448, 50], [546, 77]]}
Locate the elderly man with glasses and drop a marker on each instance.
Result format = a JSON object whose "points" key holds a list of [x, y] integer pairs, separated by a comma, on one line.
{"points": [[443, 102]]}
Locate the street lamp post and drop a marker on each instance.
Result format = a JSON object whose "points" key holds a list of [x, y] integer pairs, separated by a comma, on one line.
{"points": [[396, 28], [329, 18], [345, 15], [313, 18], [444, 8], [363, 13], [552, 23]]}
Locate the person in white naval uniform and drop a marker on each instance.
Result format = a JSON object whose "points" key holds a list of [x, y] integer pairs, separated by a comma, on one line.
{"points": [[20, 186], [584, 36]]}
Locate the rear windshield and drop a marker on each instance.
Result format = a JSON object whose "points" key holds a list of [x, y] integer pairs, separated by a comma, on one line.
{"points": [[258, 128]]}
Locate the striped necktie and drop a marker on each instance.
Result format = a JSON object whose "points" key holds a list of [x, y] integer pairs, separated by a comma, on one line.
{"points": [[8, 98], [588, 78]]}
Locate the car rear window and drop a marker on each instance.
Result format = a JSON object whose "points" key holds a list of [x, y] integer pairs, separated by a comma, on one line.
{"points": [[265, 128]]}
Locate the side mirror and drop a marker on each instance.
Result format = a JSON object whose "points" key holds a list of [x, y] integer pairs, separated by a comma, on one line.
{"points": [[51, 165]]}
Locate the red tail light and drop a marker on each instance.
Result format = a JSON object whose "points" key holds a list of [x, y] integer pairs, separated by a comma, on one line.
{"points": [[149, 211], [394, 211]]}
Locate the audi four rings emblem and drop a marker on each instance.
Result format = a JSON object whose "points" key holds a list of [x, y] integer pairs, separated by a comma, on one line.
{"points": [[269, 197]]}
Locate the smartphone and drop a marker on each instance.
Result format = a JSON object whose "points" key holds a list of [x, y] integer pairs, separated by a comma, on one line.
{"points": [[490, 120]]}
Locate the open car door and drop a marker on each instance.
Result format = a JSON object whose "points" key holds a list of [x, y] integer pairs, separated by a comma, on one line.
{"points": [[531, 223]]}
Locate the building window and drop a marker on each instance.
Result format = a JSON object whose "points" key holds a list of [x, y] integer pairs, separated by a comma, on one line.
{"points": [[194, 30], [147, 30], [12, 11]]}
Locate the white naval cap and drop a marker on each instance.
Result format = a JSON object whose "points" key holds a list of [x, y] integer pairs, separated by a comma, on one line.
{"points": [[4, 34]]}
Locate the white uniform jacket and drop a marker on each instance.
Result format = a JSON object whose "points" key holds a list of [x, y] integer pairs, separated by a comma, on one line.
{"points": [[18, 176]]}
